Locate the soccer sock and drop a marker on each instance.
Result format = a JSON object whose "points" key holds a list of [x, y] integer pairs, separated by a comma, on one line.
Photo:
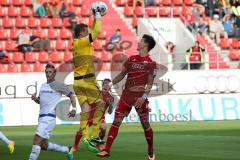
{"points": [[35, 152], [112, 134], [84, 125], [149, 137], [97, 117], [78, 137], [102, 133], [4, 138], [57, 148]]}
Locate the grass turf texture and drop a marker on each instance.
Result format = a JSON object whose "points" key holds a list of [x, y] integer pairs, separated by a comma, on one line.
{"points": [[218, 140]]}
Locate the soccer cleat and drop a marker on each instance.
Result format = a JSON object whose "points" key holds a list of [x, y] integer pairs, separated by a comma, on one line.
{"points": [[151, 157], [70, 153], [103, 153], [11, 147], [97, 140], [90, 146]]}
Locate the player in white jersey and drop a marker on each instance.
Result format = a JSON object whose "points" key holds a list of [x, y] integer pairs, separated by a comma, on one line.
{"points": [[8, 142], [49, 96]]}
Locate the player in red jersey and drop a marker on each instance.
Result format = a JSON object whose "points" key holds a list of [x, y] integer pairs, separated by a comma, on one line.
{"points": [[140, 70], [108, 100]]}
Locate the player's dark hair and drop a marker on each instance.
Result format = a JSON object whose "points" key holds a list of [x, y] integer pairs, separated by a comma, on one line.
{"points": [[150, 41], [79, 28], [49, 65], [118, 30], [106, 80]]}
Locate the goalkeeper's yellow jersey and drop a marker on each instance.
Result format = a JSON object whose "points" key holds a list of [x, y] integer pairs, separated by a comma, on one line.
{"points": [[83, 51]]}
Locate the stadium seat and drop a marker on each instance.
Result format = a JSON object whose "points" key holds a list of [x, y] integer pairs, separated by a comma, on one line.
{"points": [[3, 12], [120, 2], [151, 11], [43, 57], [105, 67], [235, 43], [33, 22], [189, 2], [26, 12], [66, 22], [177, 2], [139, 11], [2, 68], [45, 22], [177, 11], [128, 11], [102, 35], [57, 22], [26, 67], [20, 23], [234, 55], [61, 45], [56, 57], [40, 33], [17, 2], [7, 22], [10, 45], [18, 57], [164, 11], [53, 33], [166, 2], [5, 2], [14, 33], [30, 57], [85, 12], [97, 45], [77, 2], [76, 10], [3, 34], [2, 45], [224, 43], [66, 67], [13, 11], [38, 67], [67, 57], [106, 56], [28, 2], [65, 33], [12, 68]]}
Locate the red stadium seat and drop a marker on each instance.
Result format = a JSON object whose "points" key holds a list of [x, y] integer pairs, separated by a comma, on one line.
{"points": [[26, 67], [103, 35], [10, 45], [76, 10], [26, 12], [61, 45], [56, 57], [66, 67], [20, 23], [97, 45], [65, 33], [224, 43], [67, 57], [33, 22], [2, 45], [17, 2], [235, 43], [2, 68], [18, 57], [106, 66], [66, 22], [7, 22], [5, 2], [166, 2], [77, 2], [151, 11], [13, 11], [43, 57], [3, 11], [234, 55], [128, 11], [45, 22], [177, 11], [3, 34], [139, 11], [189, 2], [12, 68], [40, 33], [28, 2], [177, 2], [120, 2], [85, 12], [38, 67], [106, 56], [57, 22], [14, 33], [53, 33], [30, 57], [164, 11]]}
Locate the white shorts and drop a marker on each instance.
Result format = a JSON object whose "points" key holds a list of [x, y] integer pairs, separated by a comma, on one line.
{"points": [[45, 126]]}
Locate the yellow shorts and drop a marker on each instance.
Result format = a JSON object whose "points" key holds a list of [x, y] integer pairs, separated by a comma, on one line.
{"points": [[87, 90]]}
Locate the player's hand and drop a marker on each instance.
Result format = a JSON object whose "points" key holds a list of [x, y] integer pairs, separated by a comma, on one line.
{"points": [[72, 113], [34, 96], [139, 102]]}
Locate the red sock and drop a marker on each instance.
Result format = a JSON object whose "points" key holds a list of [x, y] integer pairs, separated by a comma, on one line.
{"points": [[102, 133], [78, 137], [112, 134], [149, 137]]}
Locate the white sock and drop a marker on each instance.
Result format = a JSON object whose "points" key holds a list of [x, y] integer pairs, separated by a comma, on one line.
{"points": [[4, 138], [57, 148], [35, 152]]}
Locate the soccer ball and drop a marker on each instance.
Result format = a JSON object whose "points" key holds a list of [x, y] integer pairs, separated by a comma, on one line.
{"points": [[100, 7]]}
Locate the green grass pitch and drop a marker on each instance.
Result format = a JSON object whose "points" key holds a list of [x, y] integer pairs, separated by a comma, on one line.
{"points": [[213, 140]]}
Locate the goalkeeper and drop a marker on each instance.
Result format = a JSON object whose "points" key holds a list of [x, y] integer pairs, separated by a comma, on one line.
{"points": [[85, 84]]}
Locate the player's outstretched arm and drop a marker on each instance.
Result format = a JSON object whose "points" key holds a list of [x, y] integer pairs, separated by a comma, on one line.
{"points": [[97, 25], [72, 113], [35, 98], [120, 76]]}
